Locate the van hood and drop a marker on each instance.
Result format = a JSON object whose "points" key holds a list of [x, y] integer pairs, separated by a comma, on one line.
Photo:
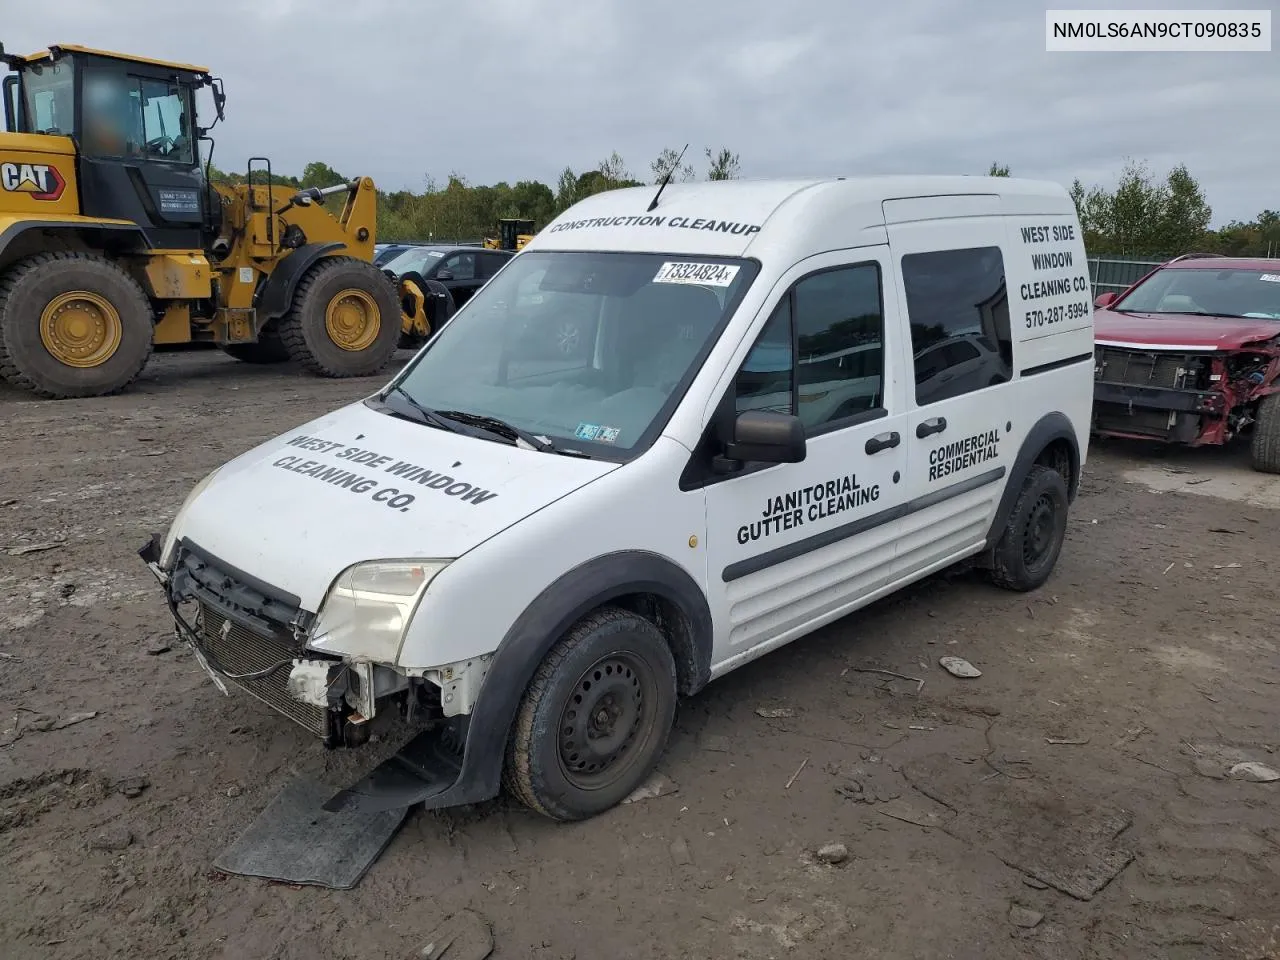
{"points": [[360, 485], [1175, 331]]}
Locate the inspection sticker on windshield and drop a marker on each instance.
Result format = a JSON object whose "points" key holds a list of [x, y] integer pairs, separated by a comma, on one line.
{"points": [[593, 431], [710, 274], [1270, 277]]}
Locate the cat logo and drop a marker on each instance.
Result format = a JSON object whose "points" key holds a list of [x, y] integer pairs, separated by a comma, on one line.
{"points": [[40, 180]]}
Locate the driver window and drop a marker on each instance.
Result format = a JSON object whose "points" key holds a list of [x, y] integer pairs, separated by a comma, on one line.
{"points": [[765, 380], [135, 117], [461, 265], [836, 372], [165, 121]]}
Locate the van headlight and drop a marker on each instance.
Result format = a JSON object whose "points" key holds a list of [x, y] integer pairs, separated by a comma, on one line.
{"points": [[368, 608], [170, 538]]}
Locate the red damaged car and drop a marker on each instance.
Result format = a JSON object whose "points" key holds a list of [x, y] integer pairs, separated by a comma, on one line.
{"points": [[1190, 354]]}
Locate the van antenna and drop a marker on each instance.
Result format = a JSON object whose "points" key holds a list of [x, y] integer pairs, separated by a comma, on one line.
{"points": [[665, 180]]}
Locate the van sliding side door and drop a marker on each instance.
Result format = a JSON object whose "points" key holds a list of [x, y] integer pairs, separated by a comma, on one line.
{"points": [[961, 427]]}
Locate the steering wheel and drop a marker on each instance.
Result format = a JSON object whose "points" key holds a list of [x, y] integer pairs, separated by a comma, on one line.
{"points": [[162, 144]]}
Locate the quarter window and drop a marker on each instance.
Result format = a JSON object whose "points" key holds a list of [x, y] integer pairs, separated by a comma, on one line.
{"points": [[959, 312], [821, 354]]}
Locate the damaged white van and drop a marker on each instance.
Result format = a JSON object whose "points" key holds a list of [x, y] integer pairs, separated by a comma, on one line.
{"points": [[672, 434]]}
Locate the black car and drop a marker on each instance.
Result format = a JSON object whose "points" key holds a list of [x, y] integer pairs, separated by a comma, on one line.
{"points": [[384, 253], [437, 268]]}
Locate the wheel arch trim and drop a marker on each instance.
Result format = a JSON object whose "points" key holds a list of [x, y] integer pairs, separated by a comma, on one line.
{"points": [[275, 295], [1050, 428], [565, 601]]}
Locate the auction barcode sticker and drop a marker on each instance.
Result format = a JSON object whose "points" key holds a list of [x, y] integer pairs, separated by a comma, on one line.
{"points": [[708, 274]]}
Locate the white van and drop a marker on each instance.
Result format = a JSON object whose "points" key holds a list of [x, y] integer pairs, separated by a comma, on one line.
{"points": [[539, 548]]}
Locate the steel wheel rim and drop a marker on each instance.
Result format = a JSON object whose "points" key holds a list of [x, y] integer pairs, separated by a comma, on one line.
{"points": [[81, 329], [607, 714], [352, 320], [1041, 531]]}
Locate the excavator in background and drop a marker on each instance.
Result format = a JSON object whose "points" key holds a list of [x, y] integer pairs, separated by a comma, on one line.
{"points": [[112, 238], [513, 234]]}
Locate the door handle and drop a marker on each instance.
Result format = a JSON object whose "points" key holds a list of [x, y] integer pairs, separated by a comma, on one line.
{"points": [[883, 441], [929, 427]]}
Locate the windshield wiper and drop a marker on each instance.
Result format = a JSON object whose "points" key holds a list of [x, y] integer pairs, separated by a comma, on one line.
{"points": [[510, 431], [428, 415]]}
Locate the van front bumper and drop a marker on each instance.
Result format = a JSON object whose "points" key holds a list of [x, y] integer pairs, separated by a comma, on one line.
{"points": [[248, 634]]}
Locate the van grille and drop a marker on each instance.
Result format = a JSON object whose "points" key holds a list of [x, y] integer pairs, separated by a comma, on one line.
{"points": [[238, 650], [1175, 371]]}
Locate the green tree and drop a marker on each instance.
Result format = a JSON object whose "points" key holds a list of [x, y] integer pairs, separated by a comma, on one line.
{"points": [[722, 165], [316, 174], [998, 170], [1184, 219], [614, 170], [1143, 215], [667, 160], [566, 189]]}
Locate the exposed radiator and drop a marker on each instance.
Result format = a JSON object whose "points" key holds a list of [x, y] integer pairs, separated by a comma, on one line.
{"points": [[239, 650], [1177, 371]]}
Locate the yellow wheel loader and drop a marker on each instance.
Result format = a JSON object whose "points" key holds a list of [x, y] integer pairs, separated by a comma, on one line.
{"points": [[112, 238], [512, 235]]}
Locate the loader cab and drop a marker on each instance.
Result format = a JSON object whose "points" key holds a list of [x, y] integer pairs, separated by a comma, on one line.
{"points": [[510, 232], [133, 121]]}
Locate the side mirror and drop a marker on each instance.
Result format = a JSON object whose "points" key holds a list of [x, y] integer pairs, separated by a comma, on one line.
{"points": [[219, 98], [1104, 300], [444, 274], [766, 437]]}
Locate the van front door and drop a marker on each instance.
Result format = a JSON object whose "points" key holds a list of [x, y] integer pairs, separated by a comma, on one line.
{"points": [[949, 278], [792, 546]]}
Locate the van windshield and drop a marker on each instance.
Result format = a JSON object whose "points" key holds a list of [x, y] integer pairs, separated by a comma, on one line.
{"points": [[591, 350]]}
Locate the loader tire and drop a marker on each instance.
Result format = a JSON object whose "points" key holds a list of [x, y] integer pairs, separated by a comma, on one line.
{"points": [[344, 321], [72, 325], [269, 348], [1265, 448]]}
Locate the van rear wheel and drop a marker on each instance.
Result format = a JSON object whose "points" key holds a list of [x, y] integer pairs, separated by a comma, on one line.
{"points": [[1034, 533], [595, 718]]}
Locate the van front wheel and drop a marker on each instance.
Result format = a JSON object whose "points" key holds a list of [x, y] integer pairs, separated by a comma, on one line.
{"points": [[1033, 536], [594, 719]]}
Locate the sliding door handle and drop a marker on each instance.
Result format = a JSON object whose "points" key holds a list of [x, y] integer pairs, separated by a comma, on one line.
{"points": [[930, 427], [883, 441]]}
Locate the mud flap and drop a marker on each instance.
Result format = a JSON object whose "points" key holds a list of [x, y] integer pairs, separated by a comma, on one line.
{"points": [[425, 767]]}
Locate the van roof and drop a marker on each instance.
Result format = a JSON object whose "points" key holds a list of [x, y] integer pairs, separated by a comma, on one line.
{"points": [[729, 217]]}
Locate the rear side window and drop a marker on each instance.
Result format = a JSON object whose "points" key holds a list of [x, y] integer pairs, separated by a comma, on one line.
{"points": [[958, 307], [820, 356]]}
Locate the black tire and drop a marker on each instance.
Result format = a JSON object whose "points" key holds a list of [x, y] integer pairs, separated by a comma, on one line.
{"points": [[304, 332], [608, 653], [1033, 536], [31, 285], [269, 348], [1265, 449]]}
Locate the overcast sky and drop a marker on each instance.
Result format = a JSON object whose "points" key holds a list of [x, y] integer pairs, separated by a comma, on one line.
{"points": [[518, 89]]}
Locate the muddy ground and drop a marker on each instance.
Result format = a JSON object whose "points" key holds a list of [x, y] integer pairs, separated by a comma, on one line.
{"points": [[1070, 802]]}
